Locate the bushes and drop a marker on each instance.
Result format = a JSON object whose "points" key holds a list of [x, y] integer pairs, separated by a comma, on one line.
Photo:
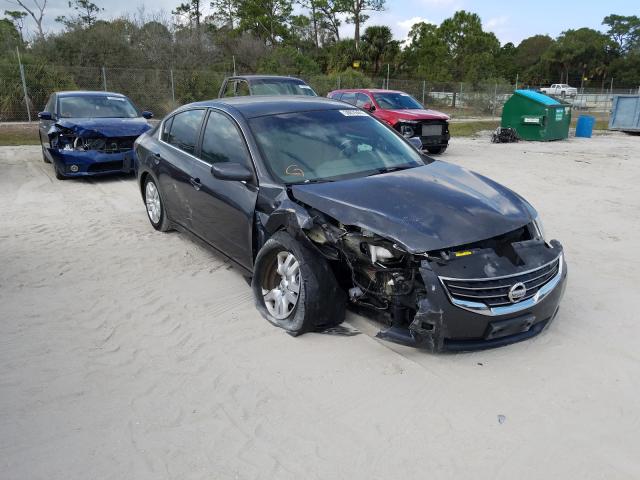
{"points": [[41, 81]]}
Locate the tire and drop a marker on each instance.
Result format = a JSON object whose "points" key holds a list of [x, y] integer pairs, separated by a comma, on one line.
{"points": [[155, 206], [44, 157], [436, 150], [320, 302], [59, 175]]}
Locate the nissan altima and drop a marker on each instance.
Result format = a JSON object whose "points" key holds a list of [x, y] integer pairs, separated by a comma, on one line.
{"points": [[323, 206]]}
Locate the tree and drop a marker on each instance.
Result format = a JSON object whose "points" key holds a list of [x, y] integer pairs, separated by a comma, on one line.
{"points": [[378, 42], [624, 31], [190, 10], [268, 19], [471, 50], [225, 10], [9, 36], [36, 11], [329, 11], [86, 16], [528, 59], [582, 52], [426, 53], [341, 55], [505, 62], [17, 18], [355, 10]]}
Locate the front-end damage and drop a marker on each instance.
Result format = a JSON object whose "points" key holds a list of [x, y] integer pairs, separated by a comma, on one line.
{"points": [[415, 295], [77, 150]]}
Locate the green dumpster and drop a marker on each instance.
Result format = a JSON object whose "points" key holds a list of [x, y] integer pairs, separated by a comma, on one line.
{"points": [[536, 116]]}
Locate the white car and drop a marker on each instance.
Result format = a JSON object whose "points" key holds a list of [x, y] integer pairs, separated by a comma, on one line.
{"points": [[560, 90]]}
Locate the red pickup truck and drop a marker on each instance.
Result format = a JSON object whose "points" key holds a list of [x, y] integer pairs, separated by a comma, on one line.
{"points": [[402, 112]]}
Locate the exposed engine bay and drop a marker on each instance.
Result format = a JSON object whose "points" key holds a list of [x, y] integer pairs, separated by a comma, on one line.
{"points": [[66, 139], [400, 288]]}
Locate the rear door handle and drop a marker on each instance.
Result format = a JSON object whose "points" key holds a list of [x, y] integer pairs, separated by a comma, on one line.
{"points": [[156, 158], [196, 183]]}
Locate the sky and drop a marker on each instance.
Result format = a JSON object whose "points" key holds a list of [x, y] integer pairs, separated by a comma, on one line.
{"points": [[510, 21]]}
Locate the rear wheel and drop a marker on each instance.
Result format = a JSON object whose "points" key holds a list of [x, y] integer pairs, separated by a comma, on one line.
{"points": [[294, 288], [155, 207], [436, 150]]}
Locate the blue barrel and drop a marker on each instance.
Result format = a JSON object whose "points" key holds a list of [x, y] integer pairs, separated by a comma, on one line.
{"points": [[584, 127]]}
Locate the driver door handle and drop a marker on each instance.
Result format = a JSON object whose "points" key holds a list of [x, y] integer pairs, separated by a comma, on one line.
{"points": [[195, 182]]}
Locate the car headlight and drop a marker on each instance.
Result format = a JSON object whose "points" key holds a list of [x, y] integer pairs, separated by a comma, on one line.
{"points": [[380, 253], [537, 223], [407, 131]]}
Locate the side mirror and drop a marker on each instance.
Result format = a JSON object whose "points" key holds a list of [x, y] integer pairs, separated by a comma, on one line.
{"points": [[368, 107], [45, 116], [146, 114], [231, 171], [416, 143]]}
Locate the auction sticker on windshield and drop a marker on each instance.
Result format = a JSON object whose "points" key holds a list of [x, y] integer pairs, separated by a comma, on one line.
{"points": [[354, 113]]}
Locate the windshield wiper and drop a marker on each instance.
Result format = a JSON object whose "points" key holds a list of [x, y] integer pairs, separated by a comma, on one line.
{"points": [[389, 169], [317, 180]]}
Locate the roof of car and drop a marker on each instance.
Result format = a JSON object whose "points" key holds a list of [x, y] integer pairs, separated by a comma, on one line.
{"points": [[258, 106], [78, 93], [368, 90], [263, 77]]}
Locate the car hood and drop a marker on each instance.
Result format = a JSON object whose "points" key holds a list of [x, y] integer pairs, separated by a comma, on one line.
{"points": [[105, 127], [418, 114], [422, 209]]}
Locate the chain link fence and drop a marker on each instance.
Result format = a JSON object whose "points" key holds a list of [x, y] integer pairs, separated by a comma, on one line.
{"points": [[23, 94]]}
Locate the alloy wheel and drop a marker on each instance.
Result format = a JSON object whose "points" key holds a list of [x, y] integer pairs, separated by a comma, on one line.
{"points": [[152, 200], [281, 288]]}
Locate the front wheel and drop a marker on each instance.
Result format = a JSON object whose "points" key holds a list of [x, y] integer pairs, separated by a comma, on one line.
{"points": [[436, 150], [45, 159], [155, 207], [294, 288], [59, 174]]}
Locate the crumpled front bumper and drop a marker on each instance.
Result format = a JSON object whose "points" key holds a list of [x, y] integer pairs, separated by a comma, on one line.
{"points": [[439, 325], [92, 162]]}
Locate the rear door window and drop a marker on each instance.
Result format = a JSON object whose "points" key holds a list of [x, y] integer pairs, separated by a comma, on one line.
{"points": [[185, 130]]}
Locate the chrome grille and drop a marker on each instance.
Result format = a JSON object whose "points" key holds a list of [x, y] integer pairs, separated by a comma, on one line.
{"points": [[494, 292]]}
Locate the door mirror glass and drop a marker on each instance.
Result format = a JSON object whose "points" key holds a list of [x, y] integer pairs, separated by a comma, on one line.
{"points": [[146, 114], [231, 171], [45, 116]]}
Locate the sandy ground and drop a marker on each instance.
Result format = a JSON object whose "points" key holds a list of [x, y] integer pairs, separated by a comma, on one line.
{"points": [[130, 354]]}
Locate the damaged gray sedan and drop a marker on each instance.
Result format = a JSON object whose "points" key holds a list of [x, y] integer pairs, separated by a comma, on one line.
{"points": [[86, 133], [323, 206]]}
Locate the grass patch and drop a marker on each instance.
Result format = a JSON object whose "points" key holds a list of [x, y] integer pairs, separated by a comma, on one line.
{"points": [[11, 135], [468, 129]]}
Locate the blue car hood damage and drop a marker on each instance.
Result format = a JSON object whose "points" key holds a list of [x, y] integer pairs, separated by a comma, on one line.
{"points": [[102, 127], [422, 209]]}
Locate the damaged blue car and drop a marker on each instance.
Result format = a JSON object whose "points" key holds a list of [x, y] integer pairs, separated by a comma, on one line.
{"points": [[86, 133]]}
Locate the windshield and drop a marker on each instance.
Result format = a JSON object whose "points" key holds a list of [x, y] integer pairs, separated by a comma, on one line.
{"points": [[396, 101], [98, 106], [281, 87], [328, 145]]}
